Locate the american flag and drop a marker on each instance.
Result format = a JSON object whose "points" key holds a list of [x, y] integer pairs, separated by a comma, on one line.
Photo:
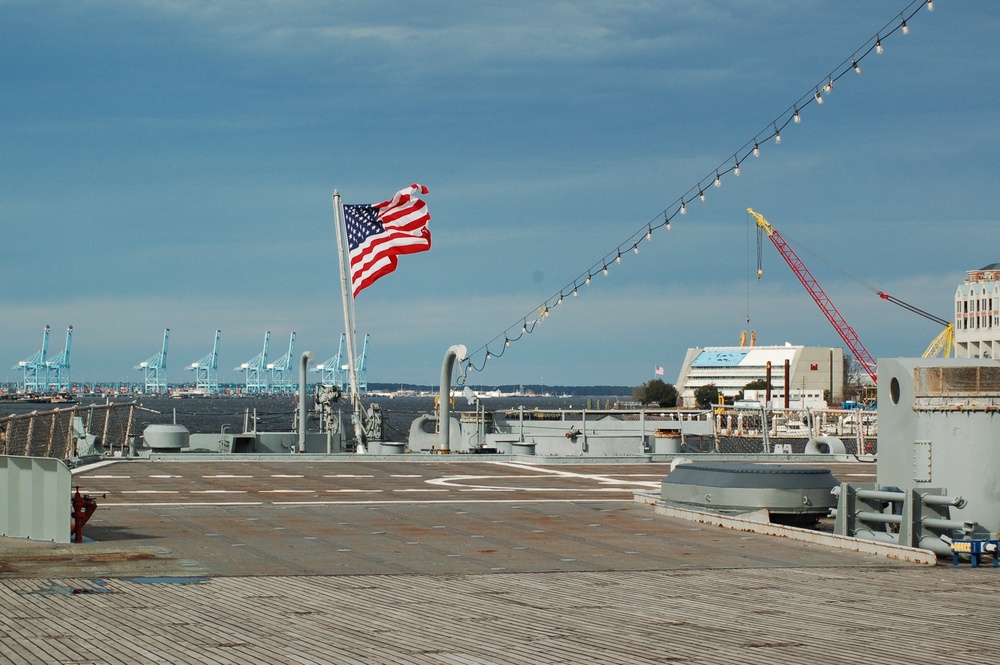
{"points": [[378, 233], [658, 370]]}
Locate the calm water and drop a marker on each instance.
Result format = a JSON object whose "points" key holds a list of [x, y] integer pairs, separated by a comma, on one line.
{"points": [[277, 413]]}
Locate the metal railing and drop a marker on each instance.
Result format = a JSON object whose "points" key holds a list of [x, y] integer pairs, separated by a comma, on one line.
{"points": [[66, 433]]}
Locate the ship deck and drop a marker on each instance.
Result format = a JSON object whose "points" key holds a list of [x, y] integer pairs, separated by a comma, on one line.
{"points": [[448, 561]]}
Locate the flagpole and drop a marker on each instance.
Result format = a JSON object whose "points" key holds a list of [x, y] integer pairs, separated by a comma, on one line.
{"points": [[348, 300]]}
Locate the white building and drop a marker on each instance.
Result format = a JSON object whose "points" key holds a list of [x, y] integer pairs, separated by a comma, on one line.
{"points": [[797, 399], [731, 368], [977, 314]]}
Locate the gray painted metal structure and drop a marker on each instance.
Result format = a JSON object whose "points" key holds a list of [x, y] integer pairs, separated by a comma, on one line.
{"points": [[565, 432], [916, 518], [455, 352], [939, 427], [939, 432], [781, 489], [36, 498]]}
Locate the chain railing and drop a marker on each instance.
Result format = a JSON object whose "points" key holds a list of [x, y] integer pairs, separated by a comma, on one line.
{"points": [[742, 430], [105, 429]]}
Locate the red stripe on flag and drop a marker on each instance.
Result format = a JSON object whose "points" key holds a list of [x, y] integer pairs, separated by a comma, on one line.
{"points": [[404, 218]]}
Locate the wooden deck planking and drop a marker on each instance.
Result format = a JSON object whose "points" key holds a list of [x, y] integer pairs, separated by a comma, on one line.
{"points": [[725, 598], [630, 617]]}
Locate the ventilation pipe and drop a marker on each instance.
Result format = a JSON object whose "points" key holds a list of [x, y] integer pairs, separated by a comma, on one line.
{"points": [[308, 358], [788, 382], [457, 351]]}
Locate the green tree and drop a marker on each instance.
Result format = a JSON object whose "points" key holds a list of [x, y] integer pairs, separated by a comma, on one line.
{"points": [[707, 396], [756, 384], [656, 392]]}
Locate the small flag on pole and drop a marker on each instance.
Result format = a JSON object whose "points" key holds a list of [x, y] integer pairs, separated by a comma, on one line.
{"points": [[378, 233], [659, 370]]}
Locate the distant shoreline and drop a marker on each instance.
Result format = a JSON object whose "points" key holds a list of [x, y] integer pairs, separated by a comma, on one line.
{"points": [[10, 392]]}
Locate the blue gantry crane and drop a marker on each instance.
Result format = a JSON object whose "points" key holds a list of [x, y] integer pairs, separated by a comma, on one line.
{"points": [[255, 370], [336, 370], [57, 368], [207, 370], [155, 370], [333, 368], [36, 375], [361, 365], [282, 376]]}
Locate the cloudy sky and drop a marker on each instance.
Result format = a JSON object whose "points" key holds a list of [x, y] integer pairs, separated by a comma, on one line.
{"points": [[170, 164]]}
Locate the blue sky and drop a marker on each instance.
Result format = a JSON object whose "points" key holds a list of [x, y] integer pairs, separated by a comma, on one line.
{"points": [[170, 164]]}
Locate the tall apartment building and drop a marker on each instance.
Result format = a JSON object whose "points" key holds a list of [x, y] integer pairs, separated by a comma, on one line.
{"points": [[977, 314]]}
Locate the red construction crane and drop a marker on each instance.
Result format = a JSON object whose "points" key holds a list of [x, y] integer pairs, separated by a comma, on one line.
{"points": [[826, 305], [945, 341]]}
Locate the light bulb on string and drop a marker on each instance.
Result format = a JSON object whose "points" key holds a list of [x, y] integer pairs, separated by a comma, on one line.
{"points": [[819, 94]]}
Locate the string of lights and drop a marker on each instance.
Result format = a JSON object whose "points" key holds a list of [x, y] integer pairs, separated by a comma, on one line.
{"points": [[731, 165]]}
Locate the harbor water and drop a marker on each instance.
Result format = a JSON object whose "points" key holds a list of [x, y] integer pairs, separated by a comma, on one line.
{"points": [[277, 413]]}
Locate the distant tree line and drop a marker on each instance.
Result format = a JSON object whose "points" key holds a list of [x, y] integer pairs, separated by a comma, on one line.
{"points": [[664, 394]]}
